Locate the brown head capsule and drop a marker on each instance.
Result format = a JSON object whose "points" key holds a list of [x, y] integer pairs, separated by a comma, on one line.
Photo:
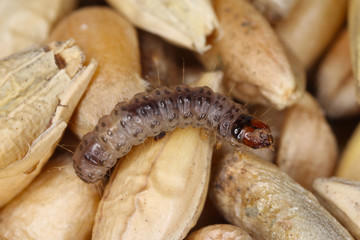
{"points": [[251, 132], [162, 110]]}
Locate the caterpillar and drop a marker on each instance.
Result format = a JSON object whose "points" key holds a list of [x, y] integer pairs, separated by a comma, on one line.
{"points": [[162, 110]]}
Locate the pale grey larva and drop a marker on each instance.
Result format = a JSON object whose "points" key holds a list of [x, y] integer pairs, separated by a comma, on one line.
{"points": [[162, 110]]}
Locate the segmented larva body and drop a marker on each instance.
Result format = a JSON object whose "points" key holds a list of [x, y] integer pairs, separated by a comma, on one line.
{"points": [[162, 110]]}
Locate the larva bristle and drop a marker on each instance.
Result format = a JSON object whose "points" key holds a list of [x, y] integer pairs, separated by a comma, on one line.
{"points": [[161, 110]]}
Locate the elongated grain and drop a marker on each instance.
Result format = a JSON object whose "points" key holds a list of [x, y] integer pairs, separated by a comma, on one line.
{"points": [[24, 24], [116, 49], [349, 163], [341, 198], [275, 10], [311, 27], [256, 66], [267, 203], [335, 81], [185, 23], [220, 232], [354, 23], [305, 127], [57, 205]]}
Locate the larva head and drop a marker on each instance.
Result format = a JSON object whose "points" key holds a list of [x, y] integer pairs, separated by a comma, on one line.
{"points": [[89, 159], [251, 132]]}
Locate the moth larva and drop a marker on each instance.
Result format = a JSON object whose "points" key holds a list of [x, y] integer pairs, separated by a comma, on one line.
{"points": [[162, 110]]}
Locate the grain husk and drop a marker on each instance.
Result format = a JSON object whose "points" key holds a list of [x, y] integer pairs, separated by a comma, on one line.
{"points": [[116, 49], [310, 28], [219, 231], [56, 205], [258, 197], [307, 147], [341, 198], [185, 23], [158, 190], [257, 68], [24, 24], [38, 95]]}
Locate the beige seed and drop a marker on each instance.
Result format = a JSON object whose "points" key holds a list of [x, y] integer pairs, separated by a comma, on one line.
{"points": [[116, 49], [220, 232], [25, 24], [311, 26], [257, 196], [185, 23], [307, 146], [335, 81], [256, 66], [56, 205], [342, 198]]}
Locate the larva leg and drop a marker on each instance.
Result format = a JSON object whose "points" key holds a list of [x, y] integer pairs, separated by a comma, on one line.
{"points": [[204, 134], [160, 136]]}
